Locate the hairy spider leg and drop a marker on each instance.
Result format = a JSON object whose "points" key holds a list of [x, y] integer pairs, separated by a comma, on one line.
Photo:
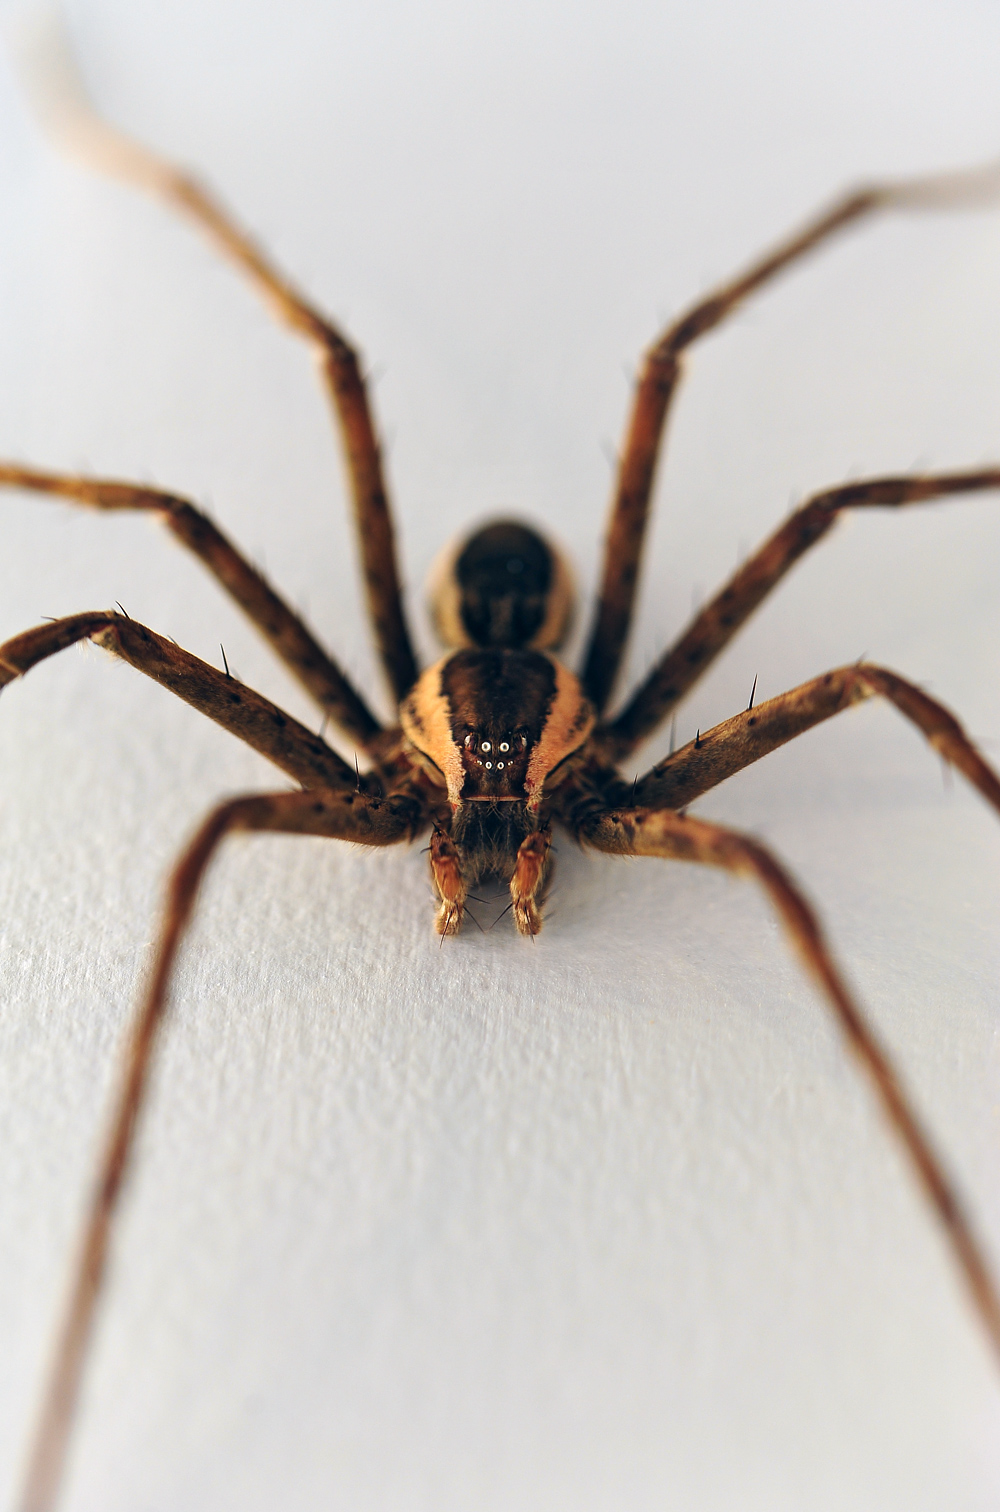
{"points": [[532, 874], [287, 633], [661, 832], [714, 626], [738, 742], [241, 711], [336, 815], [74, 120], [661, 372]]}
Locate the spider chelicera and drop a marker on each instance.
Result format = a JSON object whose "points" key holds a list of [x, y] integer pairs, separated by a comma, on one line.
{"points": [[498, 743]]}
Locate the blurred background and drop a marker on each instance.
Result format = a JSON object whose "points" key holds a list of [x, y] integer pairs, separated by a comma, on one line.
{"points": [[610, 1221]]}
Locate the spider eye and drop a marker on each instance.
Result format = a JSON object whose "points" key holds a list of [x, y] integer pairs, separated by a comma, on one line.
{"points": [[486, 746], [489, 766], [504, 745], [499, 766]]}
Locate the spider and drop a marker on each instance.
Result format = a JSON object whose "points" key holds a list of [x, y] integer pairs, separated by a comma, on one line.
{"points": [[498, 743]]}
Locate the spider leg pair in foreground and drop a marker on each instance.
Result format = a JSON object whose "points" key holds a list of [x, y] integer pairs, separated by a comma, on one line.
{"points": [[498, 742]]}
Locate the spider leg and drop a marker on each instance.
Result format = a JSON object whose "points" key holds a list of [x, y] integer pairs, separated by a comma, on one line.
{"points": [[660, 832], [660, 375], [528, 885], [738, 742], [70, 114], [230, 703], [450, 885], [342, 816], [714, 626], [288, 635]]}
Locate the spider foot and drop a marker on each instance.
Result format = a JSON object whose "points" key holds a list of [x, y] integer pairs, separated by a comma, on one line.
{"points": [[527, 918], [448, 919]]}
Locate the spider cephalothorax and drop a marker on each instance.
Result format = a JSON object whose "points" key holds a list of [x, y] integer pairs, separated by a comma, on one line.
{"points": [[498, 741]]}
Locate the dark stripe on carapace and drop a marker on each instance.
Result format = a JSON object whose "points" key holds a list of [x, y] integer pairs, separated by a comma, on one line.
{"points": [[508, 689], [499, 703]]}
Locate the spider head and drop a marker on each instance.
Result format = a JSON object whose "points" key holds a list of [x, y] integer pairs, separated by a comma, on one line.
{"points": [[492, 725], [505, 585]]}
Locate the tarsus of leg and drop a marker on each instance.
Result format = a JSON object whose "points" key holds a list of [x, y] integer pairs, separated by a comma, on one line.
{"points": [[342, 816], [661, 371], [714, 626], [738, 742], [55, 85], [656, 832]]}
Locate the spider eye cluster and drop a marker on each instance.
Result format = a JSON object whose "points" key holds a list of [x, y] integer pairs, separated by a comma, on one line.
{"points": [[494, 753]]}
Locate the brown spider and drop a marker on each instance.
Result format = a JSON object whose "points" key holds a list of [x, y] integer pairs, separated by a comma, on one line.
{"points": [[498, 743]]}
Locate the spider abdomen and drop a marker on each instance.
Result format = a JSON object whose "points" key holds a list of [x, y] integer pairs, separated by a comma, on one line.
{"points": [[505, 585]]}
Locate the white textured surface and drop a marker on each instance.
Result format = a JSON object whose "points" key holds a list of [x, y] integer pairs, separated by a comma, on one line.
{"points": [[607, 1222]]}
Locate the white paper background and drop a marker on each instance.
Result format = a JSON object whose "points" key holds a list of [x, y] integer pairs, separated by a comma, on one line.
{"points": [[608, 1221]]}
